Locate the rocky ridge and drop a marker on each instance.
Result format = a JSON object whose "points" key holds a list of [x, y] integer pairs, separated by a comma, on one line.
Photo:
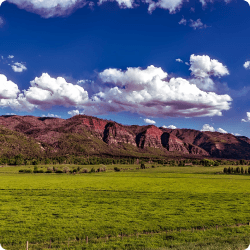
{"points": [[82, 130]]}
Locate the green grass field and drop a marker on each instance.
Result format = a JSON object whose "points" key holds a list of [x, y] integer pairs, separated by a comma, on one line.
{"points": [[155, 208]]}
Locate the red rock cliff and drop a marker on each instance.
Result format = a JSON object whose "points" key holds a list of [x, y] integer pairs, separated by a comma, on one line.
{"points": [[151, 137]]}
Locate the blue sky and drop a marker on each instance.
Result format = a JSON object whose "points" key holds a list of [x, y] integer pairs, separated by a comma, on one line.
{"points": [[172, 62]]}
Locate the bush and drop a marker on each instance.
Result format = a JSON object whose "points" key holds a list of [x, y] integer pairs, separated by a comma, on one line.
{"points": [[59, 171], [181, 164], [152, 166], [38, 171], [101, 169], [92, 170], [242, 170], [65, 170], [35, 162], [25, 171], [225, 171], [84, 170], [216, 164], [117, 169], [49, 171], [143, 166]]}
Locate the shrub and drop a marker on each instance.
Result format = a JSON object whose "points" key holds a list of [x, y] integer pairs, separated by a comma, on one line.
{"points": [[25, 171], [249, 170], [92, 170], [74, 170], [143, 166], [84, 170], [117, 169], [216, 164], [101, 169], [38, 171], [152, 166], [242, 170], [225, 170], [245, 171], [35, 162], [59, 171], [49, 171], [181, 164], [237, 170], [65, 170]]}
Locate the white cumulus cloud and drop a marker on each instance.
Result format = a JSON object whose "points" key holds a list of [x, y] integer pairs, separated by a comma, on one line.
{"points": [[74, 112], [11, 97], [247, 119], [121, 3], [197, 24], [170, 126], [183, 21], [54, 8], [171, 5], [149, 121], [46, 91], [221, 131], [147, 92], [246, 65], [203, 66], [10, 56], [206, 83], [8, 89], [18, 67], [178, 60], [207, 127], [51, 115], [49, 8]]}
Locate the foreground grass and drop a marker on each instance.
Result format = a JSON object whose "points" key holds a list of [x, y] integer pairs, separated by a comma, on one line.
{"points": [[61, 210]]}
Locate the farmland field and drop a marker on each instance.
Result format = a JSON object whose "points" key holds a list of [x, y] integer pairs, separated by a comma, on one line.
{"points": [[153, 208]]}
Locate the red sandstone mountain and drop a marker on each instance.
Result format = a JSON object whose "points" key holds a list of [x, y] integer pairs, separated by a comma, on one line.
{"points": [[86, 135]]}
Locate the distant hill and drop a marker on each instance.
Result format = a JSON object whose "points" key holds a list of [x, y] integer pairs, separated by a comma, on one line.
{"points": [[91, 136]]}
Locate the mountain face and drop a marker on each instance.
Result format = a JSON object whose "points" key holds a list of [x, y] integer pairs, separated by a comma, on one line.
{"points": [[86, 135]]}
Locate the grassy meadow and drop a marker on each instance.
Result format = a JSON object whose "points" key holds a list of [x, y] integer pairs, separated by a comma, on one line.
{"points": [[154, 208]]}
